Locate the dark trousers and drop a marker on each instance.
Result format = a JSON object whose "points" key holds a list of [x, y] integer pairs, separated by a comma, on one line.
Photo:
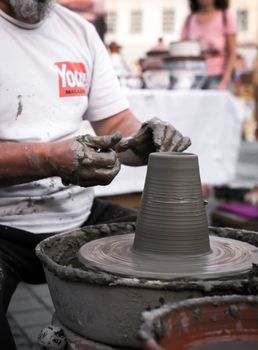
{"points": [[18, 261]]}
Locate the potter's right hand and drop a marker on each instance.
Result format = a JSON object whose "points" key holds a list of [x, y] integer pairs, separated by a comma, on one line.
{"points": [[96, 163]]}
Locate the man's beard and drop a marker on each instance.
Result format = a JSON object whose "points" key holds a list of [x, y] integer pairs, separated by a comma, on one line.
{"points": [[30, 10]]}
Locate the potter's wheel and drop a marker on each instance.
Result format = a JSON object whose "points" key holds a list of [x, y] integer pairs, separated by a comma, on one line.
{"points": [[172, 236], [115, 254], [88, 301]]}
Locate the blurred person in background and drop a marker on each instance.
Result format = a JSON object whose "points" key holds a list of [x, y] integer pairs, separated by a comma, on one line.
{"points": [[160, 46], [121, 67], [212, 25]]}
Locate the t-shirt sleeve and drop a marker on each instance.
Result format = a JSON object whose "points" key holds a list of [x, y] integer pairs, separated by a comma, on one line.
{"points": [[105, 94], [231, 27]]}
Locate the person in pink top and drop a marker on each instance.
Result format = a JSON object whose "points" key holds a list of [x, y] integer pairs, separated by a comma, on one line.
{"points": [[211, 23]]}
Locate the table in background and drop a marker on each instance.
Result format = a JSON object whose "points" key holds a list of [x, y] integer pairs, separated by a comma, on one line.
{"points": [[213, 121]]}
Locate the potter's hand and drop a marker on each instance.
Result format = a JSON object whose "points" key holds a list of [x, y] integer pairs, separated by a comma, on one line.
{"points": [[96, 163], [154, 136]]}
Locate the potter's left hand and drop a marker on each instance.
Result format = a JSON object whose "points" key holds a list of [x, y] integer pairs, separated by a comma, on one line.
{"points": [[154, 135]]}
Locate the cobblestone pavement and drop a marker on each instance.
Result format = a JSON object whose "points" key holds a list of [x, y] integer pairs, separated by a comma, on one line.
{"points": [[31, 307]]}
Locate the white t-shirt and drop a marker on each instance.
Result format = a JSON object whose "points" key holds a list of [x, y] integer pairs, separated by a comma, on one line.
{"points": [[53, 74]]}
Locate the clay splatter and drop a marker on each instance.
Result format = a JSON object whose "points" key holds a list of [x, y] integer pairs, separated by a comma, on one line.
{"points": [[20, 107]]}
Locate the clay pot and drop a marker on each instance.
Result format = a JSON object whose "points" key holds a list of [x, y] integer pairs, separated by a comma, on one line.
{"points": [[172, 218], [216, 323]]}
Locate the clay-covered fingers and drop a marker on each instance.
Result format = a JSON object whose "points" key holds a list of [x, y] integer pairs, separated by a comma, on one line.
{"points": [[163, 137], [184, 144], [155, 136], [174, 141], [98, 177], [130, 142], [99, 158], [99, 168], [161, 133], [166, 138], [106, 175], [102, 142], [95, 162], [124, 144]]}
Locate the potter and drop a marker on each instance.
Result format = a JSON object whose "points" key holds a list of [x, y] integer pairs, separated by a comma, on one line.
{"points": [[47, 168]]}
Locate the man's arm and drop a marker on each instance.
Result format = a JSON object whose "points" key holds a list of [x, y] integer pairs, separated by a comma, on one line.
{"points": [[85, 161], [24, 162], [124, 122], [88, 160]]}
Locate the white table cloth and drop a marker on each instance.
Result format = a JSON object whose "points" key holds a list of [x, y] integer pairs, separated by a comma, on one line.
{"points": [[213, 121]]}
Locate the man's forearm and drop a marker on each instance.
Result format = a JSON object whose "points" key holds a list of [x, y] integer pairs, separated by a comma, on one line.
{"points": [[25, 162], [125, 122]]}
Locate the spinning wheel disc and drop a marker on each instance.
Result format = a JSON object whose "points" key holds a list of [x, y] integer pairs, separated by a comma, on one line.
{"points": [[228, 257]]}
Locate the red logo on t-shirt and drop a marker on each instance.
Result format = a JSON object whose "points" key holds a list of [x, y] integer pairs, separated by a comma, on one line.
{"points": [[72, 79]]}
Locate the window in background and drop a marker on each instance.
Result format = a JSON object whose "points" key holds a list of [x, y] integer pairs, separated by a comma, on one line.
{"points": [[111, 22], [242, 20], [168, 20], [136, 22]]}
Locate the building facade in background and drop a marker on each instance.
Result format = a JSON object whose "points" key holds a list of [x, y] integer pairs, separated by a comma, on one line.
{"points": [[246, 16], [137, 24]]}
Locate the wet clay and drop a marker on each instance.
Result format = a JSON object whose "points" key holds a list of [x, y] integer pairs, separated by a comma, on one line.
{"points": [[171, 238], [20, 107], [172, 218]]}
